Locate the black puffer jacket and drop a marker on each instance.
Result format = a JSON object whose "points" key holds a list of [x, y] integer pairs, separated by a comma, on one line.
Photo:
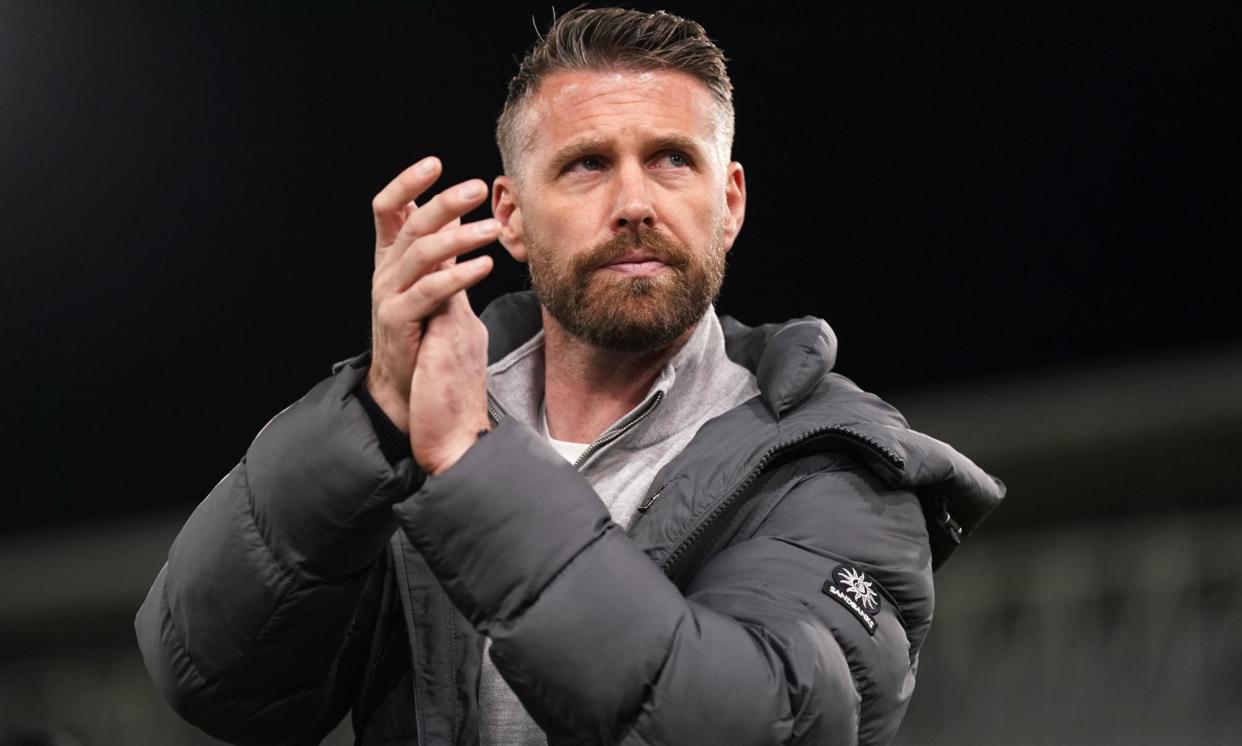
{"points": [[775, 589]]}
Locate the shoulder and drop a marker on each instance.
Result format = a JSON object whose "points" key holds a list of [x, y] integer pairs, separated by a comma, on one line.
{"points": [[830, 505]]}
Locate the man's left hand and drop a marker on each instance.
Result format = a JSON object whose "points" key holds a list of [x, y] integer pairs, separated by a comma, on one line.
{"points": [[448, 392]]}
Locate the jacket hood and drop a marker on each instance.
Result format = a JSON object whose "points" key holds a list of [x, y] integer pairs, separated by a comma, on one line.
{"points": [[801, 400], [793, 360]]}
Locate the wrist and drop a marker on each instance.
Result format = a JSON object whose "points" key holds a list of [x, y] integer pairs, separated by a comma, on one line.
{"points": [[454, 452], [395, 407]]}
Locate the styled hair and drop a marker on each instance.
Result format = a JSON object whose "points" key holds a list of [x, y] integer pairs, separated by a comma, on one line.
{"points": [[614, 39]]}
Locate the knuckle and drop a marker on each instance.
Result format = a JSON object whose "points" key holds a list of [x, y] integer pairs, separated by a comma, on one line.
{"points": [[381, 287], [425, 287], [386, 312], [433, 206], [415, 257]]}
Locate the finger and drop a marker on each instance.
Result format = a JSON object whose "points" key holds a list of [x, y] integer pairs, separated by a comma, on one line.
{"points": [[454, 223], [439, 251], [424, 297], [440, 210], [395, 201], [408, 210], [460, 302]]}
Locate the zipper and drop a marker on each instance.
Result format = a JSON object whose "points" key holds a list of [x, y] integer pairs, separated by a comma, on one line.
{"points": [[612, 435], [651, 500], [947, 522], [385, 628], [492, 411], [669, 565], [366, 689], [603, 440]]}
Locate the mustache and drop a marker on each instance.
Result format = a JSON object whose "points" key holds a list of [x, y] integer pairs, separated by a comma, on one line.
{"points": [[660, 246]]}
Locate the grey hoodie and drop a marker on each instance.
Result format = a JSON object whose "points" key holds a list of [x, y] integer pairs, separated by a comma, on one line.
{"points": [[698, 383]]}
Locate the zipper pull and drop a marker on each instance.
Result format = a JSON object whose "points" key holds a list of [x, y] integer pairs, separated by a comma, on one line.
{"points": [[946, 522], [648, 502]]}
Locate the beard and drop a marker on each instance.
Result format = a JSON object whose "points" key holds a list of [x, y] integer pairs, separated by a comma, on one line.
{"points": [[618, 312]]}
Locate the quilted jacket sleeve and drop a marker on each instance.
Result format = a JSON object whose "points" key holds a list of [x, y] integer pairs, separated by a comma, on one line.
{"points": [[253, 628], [603, 648]]}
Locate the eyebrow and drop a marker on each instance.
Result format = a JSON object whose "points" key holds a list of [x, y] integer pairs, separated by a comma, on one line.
{"points": [[577, 149], [592, 145]]}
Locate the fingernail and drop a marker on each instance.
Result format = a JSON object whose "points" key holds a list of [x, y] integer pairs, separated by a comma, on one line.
{"points": [[426, 165], [485, 227], [471, 190]]}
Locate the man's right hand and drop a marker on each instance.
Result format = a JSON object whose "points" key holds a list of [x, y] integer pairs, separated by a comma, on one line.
{"points": [[416, 270]]}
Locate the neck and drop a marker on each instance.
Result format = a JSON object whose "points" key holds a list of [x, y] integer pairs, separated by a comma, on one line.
{"points": [[587, 388]]}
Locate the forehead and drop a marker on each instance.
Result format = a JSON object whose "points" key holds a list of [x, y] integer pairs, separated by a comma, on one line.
{"points": [[606, 104]]}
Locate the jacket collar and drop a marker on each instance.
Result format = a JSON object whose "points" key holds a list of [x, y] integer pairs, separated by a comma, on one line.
{"points": [[788, 360], [800, 396], [690, 383]]}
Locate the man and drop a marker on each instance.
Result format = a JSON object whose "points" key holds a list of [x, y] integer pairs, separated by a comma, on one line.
{"points": [[739, 552]]}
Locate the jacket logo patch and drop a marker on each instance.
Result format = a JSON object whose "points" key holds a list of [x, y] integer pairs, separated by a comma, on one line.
{"points": [[851, 587]]}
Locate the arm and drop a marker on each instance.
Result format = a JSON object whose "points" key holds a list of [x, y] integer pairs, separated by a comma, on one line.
{"points": [[258, 622], [255, 628], [602, 647]]}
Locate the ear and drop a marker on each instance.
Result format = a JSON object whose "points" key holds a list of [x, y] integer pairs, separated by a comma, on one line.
{"points": [[508, 213], [735, 202]]}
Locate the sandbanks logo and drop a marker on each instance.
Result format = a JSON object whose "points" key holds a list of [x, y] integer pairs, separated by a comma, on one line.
{"points": [[855, 591]]}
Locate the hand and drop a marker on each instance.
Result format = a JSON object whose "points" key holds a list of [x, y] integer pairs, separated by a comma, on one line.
{"points": [[416, 272], [448, 394]]}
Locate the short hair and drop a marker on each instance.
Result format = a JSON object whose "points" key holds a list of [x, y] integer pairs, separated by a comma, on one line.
{"points": [[608, 39]]}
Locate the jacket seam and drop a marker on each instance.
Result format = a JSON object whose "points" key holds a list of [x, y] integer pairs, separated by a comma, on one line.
{"points": [[795, 324], [288, 575], [753, 522], [216, 684], [655, 680], [828, 554], [377, 496], [456, 664], [404, 573], [435, 559], [536, 596], [898, 610]]}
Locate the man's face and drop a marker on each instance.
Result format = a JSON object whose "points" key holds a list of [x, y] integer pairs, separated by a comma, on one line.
{"points": [[626, 206]]}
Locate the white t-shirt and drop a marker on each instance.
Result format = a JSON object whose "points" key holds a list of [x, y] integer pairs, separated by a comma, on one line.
{"points": [[569, 450]]}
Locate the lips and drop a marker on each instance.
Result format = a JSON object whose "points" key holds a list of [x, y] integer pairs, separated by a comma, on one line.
{"points": [[635, 254], [636, 263], [636, 257]]}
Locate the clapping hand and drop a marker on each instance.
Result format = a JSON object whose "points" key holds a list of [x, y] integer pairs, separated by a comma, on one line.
{"points": [[428, 348]]}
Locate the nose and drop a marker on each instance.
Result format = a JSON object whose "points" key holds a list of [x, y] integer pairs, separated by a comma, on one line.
{"points": [[634, 208]]}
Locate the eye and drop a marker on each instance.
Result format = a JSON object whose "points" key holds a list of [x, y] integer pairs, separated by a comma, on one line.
{"points": [[673, 159], [587, 163]]}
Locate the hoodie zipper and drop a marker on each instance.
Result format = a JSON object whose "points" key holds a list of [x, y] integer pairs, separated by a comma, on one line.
{"points": [[612, 435], [669, 565], [604, 439], [492, 411]]}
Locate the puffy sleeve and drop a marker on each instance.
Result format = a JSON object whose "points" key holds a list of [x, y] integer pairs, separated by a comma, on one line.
{"points": [[255, 630], [602, 647]]}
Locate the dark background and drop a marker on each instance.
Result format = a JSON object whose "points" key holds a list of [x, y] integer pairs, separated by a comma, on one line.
{"points": [[968, 194], [1022, 220]]}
